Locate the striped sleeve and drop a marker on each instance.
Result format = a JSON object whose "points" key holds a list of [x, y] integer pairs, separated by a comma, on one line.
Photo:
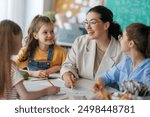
{"points": [[16, 75]]}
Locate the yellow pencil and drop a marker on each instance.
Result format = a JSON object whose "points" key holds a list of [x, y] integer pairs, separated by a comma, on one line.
{"points": [[103, 90], [50, 82]]}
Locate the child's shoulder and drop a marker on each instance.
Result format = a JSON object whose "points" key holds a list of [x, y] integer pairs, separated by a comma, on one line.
{"points": [[23, 49], [147, 62], [58, 47]]}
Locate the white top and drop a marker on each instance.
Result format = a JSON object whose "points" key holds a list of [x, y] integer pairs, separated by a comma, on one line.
{"points": [[81, 58], [16, 77]]}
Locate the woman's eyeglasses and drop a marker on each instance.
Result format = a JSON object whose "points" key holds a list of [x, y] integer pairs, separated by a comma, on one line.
{"points": [[91, 22]]}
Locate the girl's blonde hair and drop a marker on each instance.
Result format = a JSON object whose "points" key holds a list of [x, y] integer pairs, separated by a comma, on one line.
{"points": [[31, 42]]}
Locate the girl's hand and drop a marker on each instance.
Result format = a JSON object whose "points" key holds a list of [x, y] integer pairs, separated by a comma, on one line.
{"points": [[70, 80], [34, 73], [43, 74], [39, 73], [98, 86], [100, 90], [53, 90]]}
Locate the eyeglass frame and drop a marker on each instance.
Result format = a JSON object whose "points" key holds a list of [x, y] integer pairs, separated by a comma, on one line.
{"points": [[92, 22]]}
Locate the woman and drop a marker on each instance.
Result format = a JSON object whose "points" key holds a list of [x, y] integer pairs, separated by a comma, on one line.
{"points": [[95, 52]]}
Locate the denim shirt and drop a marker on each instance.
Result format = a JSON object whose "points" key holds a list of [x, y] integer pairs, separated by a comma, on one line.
{"points": [[123, 71]]}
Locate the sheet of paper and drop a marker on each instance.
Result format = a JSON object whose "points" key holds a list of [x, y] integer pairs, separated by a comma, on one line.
{"points": [[54, 75], [83, 88]]}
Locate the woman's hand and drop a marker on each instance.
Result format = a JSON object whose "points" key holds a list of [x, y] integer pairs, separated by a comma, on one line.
{"points": [[70, 80]]}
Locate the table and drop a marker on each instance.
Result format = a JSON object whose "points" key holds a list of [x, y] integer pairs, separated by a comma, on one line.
{"points": [[82, 91], [83, 88]]}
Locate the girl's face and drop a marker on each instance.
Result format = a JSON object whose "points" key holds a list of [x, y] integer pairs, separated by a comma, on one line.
{"points": [[124, 43], [94, 26], [45, 35]]}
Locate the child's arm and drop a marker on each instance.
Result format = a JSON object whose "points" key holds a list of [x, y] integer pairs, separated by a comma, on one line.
{"points": [[24, 94], [20, 56], [35, 73], [53, 69], [44, 73]]}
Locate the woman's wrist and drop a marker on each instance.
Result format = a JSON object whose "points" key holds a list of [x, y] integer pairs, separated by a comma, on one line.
{"points": [[66, 74]]}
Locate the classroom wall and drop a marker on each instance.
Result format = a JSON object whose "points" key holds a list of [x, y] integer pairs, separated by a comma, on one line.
{"points": [[32, 8], [13, 10], [129, 11], [49, 5]]}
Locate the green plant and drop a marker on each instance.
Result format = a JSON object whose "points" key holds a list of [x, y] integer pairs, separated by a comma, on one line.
{"points": [[51, 15]]}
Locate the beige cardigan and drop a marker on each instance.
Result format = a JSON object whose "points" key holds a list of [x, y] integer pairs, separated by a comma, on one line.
{"points": [[80, 59]]}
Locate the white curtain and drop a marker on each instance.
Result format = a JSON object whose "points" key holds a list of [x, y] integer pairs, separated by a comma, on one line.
{"points": [[21, 11], [4, 10], [13, 10]]}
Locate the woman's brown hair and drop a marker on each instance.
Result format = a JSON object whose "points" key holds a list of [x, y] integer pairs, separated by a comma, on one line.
{"points": [[106, 15]]}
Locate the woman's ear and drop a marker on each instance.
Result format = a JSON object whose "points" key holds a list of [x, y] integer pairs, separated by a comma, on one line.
{"points": [[106, 25]]}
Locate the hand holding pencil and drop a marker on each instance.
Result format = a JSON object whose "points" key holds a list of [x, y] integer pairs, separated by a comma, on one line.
{"points": [[53, 89], [100, 90], [70, 80], [50, 81]]}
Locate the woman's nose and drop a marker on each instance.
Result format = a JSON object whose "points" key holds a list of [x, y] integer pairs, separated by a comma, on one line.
{"points": [[88, 26]]}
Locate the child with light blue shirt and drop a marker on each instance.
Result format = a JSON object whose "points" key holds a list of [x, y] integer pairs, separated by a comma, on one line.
{"points": [[135, 42]]}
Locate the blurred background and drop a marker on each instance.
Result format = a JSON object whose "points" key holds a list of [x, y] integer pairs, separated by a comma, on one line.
{"points": [[68, 15]]}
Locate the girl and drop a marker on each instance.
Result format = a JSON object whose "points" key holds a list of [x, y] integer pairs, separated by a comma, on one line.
{"points": [[11, 81], [95, 52], [40, 53], [136, 66]]}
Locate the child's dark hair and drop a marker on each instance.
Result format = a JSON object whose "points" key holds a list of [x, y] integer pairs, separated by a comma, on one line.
{"points": [[106, 15], [31, 42], [140, 34]]}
